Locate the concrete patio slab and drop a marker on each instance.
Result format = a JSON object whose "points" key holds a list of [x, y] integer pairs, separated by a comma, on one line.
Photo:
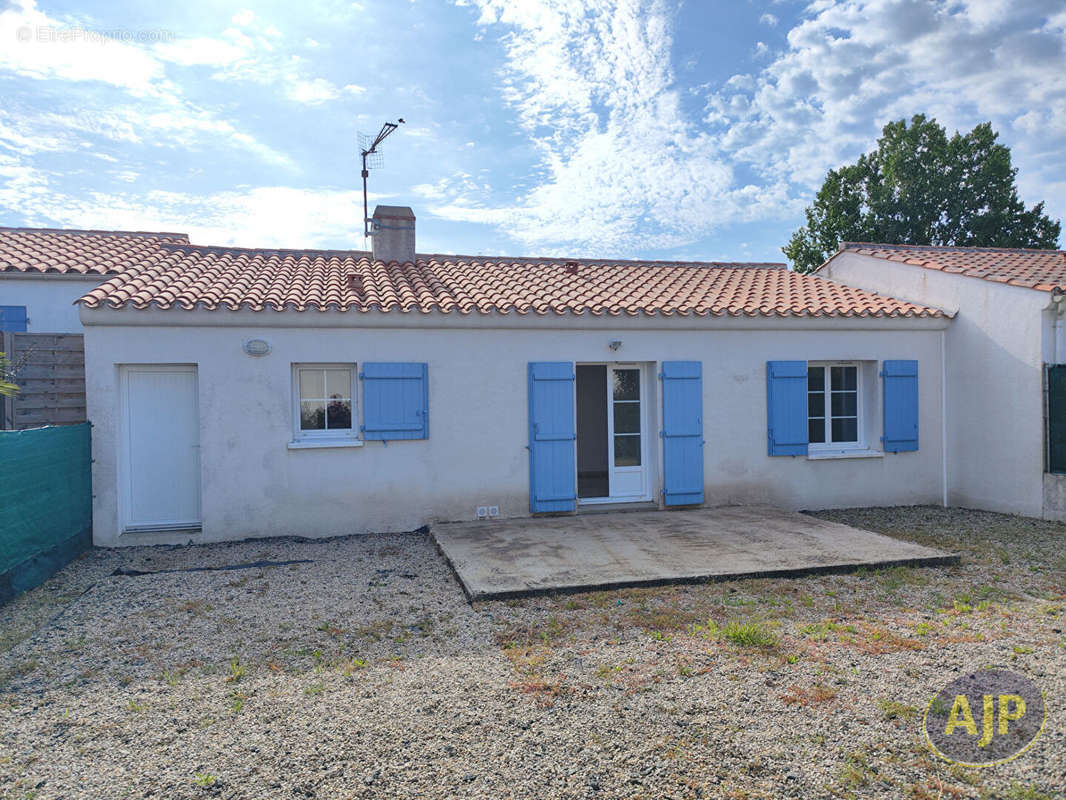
{"points": [[519, 557]]}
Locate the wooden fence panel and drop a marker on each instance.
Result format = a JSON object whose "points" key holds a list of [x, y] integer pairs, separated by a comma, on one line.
{"points": [[50, 372]]}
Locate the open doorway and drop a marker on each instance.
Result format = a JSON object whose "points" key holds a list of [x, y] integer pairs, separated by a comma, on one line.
{"points": [[611, 436]]}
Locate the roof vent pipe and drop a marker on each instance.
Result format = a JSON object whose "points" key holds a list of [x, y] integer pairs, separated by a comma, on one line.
{"points": [[392, 229]]}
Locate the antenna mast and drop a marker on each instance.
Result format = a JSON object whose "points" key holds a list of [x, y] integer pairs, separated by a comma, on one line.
{"points": [[368, 149]]}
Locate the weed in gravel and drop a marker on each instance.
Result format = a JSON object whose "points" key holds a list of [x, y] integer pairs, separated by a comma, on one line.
{"points": [[893, 709], [236, 670], [136, 707], [376, 630], [754, 633], [855, 772], [543, 632], [330, 628], [237, 699], [804, 696], [351, 666], [662, 619], [205, 779], [967, 775], [1018, 791], [314, 689], [196, 607], [543, 690]]}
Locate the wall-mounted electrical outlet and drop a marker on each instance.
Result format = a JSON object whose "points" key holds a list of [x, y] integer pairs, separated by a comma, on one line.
{"points": [[482, 512], [494, 511]]}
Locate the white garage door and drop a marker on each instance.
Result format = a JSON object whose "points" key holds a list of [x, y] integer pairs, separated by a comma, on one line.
{"points": [[162, 447]]}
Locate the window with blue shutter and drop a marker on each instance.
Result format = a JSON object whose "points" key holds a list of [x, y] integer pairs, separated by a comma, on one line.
{"points": [[682, 432], [900, 405], [552, 437], [395, 401], [786, 407], [13, 318]]}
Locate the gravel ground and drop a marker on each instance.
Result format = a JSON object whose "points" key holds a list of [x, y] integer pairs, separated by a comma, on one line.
{"points": [[363, 673]]}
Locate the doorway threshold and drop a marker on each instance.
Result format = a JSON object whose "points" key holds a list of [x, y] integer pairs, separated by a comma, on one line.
{"points": [[607, 508]]}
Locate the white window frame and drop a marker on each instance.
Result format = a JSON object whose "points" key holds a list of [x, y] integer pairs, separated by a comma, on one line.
{"points": [[829, 446], [326, 438]]}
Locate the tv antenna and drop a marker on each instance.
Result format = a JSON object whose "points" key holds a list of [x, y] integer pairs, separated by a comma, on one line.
{"points": [[368, 149]]}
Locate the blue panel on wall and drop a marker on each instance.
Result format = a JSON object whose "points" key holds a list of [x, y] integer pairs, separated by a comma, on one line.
{"points": [[900, 405], [682, 432], [786, 408], [552, 461], [395, 401], [13, 318]]}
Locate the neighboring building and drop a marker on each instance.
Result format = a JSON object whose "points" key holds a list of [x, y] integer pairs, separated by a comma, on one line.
{"points": [[1009, 325], [42, 273], [252, 392]]}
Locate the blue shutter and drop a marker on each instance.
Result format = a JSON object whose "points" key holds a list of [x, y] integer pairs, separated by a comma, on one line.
{"points": [[552, 459], [13, 318], [901, 406], [786, 407], [682, 432], [395, 401]]}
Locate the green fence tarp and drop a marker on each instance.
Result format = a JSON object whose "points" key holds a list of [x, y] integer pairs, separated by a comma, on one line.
{"points": [[45, 503]]}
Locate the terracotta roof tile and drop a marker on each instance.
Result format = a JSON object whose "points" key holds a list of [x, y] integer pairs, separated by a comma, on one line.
{"points": [[1044, 270], [195, 277], [49, 250]]}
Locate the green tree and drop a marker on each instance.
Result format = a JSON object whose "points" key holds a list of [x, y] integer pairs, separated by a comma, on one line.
{"points": [[920, 187]]}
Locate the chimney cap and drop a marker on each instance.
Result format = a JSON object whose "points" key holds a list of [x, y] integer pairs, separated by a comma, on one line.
{"points": [[396, 212]]}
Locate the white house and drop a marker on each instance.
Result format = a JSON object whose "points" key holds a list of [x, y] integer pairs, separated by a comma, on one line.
{"points": [[1008, 306], [44, 271], [248, 392]]}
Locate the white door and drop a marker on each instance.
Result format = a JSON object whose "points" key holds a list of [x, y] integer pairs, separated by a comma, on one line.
{"points": [[625, 431], [162, 447]]}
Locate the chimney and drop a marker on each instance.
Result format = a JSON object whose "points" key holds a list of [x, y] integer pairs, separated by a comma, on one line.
{"points": [[393, 234]]}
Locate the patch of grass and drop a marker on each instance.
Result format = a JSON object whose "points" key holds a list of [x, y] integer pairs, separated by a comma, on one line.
{"points": [[1019, 791], [314, 689], [892, 709], [755, 634], [237, 702], [136, 707], [541, 632], [855, 771], [662, 618], [376, 630]]}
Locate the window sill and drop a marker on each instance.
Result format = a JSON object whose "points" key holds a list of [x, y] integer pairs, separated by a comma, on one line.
{"points": [[827, 455], [319, 444]]}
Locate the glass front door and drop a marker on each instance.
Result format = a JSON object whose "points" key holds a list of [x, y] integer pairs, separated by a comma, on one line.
{"points": [[625, 431]]}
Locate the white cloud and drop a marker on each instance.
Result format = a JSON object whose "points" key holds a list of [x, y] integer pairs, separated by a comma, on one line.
{"points": [[204, 51], [311, 92], [852, 66], [38, 46], [768, 19], [244, 17], [266, 216], [622, 168]]}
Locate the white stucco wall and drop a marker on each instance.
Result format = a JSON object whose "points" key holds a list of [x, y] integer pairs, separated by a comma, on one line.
{"points": [[49, 300], [253, 485], [996, 347]]}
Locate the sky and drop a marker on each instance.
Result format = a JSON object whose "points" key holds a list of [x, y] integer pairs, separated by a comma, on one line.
{"points": [[692, 130]]}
